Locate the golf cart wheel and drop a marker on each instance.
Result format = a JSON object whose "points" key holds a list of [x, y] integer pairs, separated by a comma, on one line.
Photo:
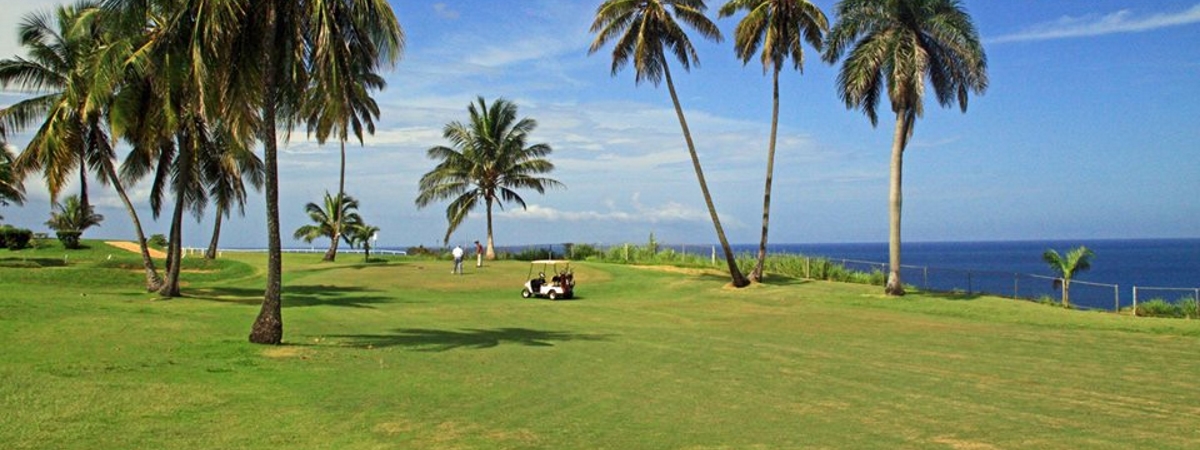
{"points": [[525, 293], [553, 295]]}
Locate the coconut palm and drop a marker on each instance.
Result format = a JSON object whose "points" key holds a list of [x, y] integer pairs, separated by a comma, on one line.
{"points": [[280, 41], [70, 138], [779, 27], [1076, 260], [487, 161], [325, 219], [65, 66], [227, 174], [361, 234], [72, 219], [11, 190], [641, 31], [900, 45], [339, 101]]}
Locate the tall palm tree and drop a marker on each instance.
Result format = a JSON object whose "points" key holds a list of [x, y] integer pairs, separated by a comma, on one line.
{"points": [[277, 52], [226, 175], [339, 101], [901, 45], [779, 27], [66, 66], [325, 219], [69, 136], [487, 161], [1076, 260], [641, 30]]}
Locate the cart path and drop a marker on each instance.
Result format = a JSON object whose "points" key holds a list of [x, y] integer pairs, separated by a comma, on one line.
{"points": [[133, 247]]}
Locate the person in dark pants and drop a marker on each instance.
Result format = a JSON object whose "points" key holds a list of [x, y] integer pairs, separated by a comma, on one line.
{"points": [[478, 255]]}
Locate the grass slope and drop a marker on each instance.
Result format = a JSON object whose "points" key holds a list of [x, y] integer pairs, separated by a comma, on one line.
{"points": [[401, 354]]}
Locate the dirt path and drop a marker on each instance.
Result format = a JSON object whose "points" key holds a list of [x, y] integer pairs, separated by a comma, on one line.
{"points": [[133, 247]]}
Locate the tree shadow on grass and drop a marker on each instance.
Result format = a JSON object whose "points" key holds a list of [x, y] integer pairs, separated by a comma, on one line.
{"points": [[955, 296], [32, 262], [426, 340], [296, 296]]}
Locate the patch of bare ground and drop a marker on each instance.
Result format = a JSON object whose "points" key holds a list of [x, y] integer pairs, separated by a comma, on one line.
{"points": [[133, 247]]}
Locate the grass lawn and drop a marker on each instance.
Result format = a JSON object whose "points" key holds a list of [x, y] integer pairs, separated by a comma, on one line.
{"points": [[400, 353]]}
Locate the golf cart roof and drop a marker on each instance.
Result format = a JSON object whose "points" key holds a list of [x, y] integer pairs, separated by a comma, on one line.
{"points": [[550, 261]]}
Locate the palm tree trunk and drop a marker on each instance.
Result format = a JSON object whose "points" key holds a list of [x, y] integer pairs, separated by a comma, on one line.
{"points": [[331, 254], [83, 189], [153, 281], [756, 275], [895, 199], [491, 247], [268, 326], [211, 253], [1066, 292], [170, 288], [738, 279]]}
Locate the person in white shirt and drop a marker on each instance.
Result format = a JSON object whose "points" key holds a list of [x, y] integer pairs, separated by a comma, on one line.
{"points": [[458, 256]]}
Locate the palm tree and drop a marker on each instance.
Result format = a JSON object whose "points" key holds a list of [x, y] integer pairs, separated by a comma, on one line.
{"points": [[1077, 260], [902, 44], [66, 66], [10, 188], [72, 219], [487, 162], [339, 101], [325, 220], [277, 53], [227, 174], [361, 234], [642, 30], [779, 27], [69, 136]]}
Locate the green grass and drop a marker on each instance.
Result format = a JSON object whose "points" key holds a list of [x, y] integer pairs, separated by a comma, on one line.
{"points": [[400, 354]]}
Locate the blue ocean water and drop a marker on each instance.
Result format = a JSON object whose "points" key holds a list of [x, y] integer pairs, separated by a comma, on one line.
{"points": [[1001, 267]]}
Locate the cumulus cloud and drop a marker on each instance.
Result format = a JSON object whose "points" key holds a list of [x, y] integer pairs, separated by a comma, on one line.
{"points": [[444, 11], [1123, 21], [635, 212]]}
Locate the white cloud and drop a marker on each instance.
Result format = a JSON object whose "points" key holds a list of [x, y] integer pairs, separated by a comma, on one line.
{"points": [[1123, 21], [635, 212], [444, 11]]}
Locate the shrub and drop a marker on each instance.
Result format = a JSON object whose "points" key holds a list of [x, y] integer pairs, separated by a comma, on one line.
{"points": [[158, 241], [69, 238], [421, 250], [583, 251], [1184, 308], [15, 238]]}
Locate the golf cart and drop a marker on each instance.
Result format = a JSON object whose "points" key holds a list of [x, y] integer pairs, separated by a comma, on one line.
{"points": [[560, 285]]}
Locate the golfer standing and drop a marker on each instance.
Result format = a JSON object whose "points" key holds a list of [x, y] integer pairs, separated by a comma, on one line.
{"points": [[478, 255], [458, 256]]}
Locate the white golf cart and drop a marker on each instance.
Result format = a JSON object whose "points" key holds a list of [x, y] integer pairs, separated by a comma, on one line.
{"points": [[560, 285]]}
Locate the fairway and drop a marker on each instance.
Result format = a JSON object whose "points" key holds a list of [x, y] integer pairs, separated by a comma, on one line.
{"points": [[399, 353]]}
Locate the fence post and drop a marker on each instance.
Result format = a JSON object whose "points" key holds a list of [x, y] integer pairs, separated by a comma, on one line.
{"points": [[1135, 311], [925, 270], [714, 255], [969, 287], [1116, 298], [1016, 285]]}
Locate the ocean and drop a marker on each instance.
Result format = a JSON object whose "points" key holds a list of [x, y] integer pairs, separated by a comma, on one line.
{"points": [[1013, 267]]}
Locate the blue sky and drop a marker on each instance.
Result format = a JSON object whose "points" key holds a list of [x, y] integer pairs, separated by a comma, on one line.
{"points": [[1088, 130]]}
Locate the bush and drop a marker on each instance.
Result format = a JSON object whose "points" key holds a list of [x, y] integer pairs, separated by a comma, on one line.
{"points": [[421, 250], [69, 238], [1184, 308], [583, 251], [15, 238], [158, 241]]}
